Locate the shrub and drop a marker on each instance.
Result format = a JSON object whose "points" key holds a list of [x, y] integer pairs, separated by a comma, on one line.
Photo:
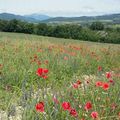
{"points": [[71, 31], [97, 26]]}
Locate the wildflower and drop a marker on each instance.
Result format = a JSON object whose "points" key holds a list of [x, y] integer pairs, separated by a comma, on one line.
{"points": [[108, 75], [46, 61], [66, 105], [42, 73], [99, 84], [65, 58], [99, 68], [44, 76], [55, 100], [78, 82], [105, 86], [73, 112], [111, 81], [88, 106], [75, 85], [94, 115], [45, 71], [40, 107], [39, 71]]}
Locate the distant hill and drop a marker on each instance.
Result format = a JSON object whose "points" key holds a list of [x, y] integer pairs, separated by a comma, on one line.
{"points": [[111, 17], [8, 16], [39, 17], [34, 18]]}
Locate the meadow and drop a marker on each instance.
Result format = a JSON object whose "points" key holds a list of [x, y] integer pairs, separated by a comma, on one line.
{"points": [[45, 78]]}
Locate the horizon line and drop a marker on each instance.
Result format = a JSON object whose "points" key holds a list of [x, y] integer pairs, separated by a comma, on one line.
{"points": [[99, 14]]}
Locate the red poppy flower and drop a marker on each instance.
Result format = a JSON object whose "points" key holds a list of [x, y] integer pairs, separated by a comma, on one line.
{"points": [[78, 82], [94, 115], [45, 71], [46, 61], [39, 71], [44, 76], [111, 81], [108, 75], [66, 105], [40, 107], [75, 85], [65, 58], [42, 73], [105, 86], [99, 83], [55, 100], [99, 68], [73, 112], [88, 106]]}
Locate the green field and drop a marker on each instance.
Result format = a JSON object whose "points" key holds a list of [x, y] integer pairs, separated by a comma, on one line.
{"points": [[75, 69]]}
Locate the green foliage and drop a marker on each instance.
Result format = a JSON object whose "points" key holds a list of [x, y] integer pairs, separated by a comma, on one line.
{"points": [[21, 88], [97, 26], [28, 28], [41, 29], [16, 26], [118, 29], [3, 25], [111, 37], [67, 31], [95, 32]]}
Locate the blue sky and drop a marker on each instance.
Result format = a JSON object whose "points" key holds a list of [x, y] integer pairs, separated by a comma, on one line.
{"points": [[60, 7]]}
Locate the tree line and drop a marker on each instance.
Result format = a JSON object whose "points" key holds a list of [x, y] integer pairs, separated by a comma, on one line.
{"points": [[95, 32]]}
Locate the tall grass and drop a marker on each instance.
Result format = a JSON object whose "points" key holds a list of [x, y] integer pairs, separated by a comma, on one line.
{"points": [[67, 62]]}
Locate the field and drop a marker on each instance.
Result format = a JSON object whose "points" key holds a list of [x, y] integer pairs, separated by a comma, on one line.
{"points": [[44, 78]]}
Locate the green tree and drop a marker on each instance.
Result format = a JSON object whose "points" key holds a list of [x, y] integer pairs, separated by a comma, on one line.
{"points": [[41, 29], [11, 26], [97, 26], [3, 24], [28, 28]]}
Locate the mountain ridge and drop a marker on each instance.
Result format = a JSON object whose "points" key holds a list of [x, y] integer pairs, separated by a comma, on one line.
{"points": [[36, 18], [111, 17], [28, 18]]}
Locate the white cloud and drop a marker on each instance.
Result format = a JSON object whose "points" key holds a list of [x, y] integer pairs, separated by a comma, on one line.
{"points": [[60, 7]]}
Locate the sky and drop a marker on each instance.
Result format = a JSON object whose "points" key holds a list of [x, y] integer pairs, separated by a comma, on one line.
{"points": [[57, 8]]}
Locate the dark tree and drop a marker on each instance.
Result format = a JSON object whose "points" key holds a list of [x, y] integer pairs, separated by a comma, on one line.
{"points": [[97, 26], [41, 29]]}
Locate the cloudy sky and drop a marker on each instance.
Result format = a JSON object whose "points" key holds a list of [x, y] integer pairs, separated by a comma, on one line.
{"points": [[60, 7]]}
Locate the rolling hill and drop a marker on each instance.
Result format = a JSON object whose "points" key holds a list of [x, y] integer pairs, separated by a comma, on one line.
{"points": [[38, 17], [29, 18], [110, 18], [35, 18]]}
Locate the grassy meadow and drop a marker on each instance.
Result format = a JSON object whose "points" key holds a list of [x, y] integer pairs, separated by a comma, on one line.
{"points": [[43, 78]]}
